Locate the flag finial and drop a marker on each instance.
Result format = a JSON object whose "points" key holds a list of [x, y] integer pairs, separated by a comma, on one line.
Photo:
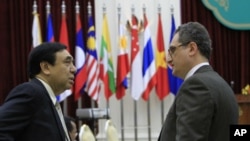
{"points": [[159, 8], [172, 9], [89, 9], [133, 9], [34, 7], [119, 11], [144, 8], [77, 7], [47, 7], [104, 9], [63, 7]]}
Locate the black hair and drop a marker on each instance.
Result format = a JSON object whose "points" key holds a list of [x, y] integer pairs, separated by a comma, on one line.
{"points": [[195, 32], [43, 52]]}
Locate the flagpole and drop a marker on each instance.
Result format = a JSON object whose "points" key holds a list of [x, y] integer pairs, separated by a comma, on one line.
{"points": [[47, 9], [65, 102], [135, 101], [79, 101], [121, 103], [148, 103], [107, 104], [162, 101]]}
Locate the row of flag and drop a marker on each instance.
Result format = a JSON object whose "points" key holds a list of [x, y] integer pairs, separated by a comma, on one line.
{"points": [[146, 72]]}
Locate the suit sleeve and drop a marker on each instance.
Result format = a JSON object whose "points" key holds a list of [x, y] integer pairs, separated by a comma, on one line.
{"points": [[17, 111], [194, 109]]}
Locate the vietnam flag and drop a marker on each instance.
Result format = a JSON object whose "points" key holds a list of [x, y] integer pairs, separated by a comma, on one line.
{"points": [[162, 84]]}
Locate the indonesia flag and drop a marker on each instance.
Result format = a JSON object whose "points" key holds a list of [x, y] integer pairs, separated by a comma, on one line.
{"points": [[136, 64], [122, 65], [80, 58], [148, 67], [92, 62]]}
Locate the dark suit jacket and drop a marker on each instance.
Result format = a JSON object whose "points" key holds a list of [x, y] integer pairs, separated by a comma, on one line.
{"points": [[203, 109], [28, 114]]}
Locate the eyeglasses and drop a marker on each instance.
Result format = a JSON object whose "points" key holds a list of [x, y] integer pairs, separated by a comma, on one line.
{"points": [[172, 49]]}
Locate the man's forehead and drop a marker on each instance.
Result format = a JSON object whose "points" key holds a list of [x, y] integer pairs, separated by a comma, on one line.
{"points": [[175, 39], [63, 54]]}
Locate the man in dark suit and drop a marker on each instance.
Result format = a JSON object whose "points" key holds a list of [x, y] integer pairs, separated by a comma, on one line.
{"points": [[205, 105], [29, 112]]}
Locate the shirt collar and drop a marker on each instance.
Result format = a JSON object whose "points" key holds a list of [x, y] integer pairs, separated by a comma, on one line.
{"points": [[49, 90], [195, 68]]}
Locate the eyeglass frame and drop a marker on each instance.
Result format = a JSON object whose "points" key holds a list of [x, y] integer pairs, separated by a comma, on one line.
{"points": [[172, 49]]}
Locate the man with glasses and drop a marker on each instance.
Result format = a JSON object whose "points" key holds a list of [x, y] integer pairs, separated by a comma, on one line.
{"points": [[205, 105]]}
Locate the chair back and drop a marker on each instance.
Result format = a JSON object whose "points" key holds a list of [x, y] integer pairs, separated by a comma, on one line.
{"points": [[111, 132], [86, 134]]}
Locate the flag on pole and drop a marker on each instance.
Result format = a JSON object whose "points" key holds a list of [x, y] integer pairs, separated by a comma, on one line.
{"points": [[106, 62], [148, 66], [175, 82], [64, 30], [136, 64], [122, 64], [64, 40], [80, 58], [92, 62], [36, 29], [162, 85], [50, 31]]}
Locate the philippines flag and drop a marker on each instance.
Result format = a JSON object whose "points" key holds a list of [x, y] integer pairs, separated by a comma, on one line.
{"points": [[80, 59], [92, 62], [136, 64], [175, 82], [122, 65], [148, 67]]}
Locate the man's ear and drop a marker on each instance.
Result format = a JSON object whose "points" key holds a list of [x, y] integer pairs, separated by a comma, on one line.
{"points": [[45, 68], [193, 48]]}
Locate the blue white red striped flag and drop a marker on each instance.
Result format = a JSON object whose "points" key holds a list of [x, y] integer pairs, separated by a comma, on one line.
{"points": [[148, 66]]}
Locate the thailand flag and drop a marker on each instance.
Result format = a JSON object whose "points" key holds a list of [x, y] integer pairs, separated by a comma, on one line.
{"points": [[148, 66]]}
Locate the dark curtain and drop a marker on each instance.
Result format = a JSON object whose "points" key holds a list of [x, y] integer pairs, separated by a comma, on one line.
{"points": [[16, 40], [230, 57]]}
